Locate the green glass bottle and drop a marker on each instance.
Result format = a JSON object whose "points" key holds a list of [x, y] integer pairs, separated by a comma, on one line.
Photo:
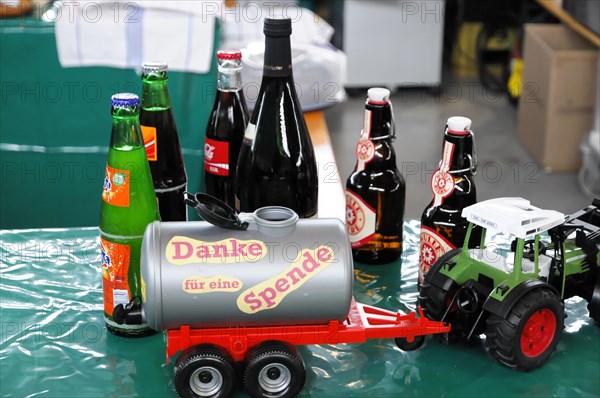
{"points": [[128, 206], [162, 143]]}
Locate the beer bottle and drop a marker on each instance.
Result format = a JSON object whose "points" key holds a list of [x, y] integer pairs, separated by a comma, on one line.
{"points": [[128, 206], [375, 191], [277, 161], [162, 143], [225, 130], [442, 226]]}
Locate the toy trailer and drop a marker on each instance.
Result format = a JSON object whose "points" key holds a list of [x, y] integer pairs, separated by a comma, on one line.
{"points": [[211, 358], [517, 301]]}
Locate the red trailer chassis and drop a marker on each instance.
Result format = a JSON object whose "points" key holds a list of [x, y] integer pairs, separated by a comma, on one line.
{"points": [[273, 367]]}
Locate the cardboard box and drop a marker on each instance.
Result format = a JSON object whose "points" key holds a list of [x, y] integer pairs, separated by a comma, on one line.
{"points": [[558, 94]]}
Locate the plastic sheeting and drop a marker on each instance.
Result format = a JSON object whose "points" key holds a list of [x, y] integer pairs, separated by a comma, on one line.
{"points": [[53, 342]]}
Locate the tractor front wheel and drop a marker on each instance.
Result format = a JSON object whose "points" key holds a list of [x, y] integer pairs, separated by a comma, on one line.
{"points": [[438, 303], [594, 304], [529, 333]]}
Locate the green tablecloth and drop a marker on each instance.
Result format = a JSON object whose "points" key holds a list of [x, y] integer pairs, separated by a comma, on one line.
{"points": [[53, 342]]}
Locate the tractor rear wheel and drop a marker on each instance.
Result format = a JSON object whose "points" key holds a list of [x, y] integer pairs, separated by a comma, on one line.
{"points": [[529, 333], [437, 302]]}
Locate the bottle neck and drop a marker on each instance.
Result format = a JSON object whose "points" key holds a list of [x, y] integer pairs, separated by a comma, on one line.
{"points": [[229, 77], [155, 94], [278, 57], [459, 150], [379, 122], [126, 133]]}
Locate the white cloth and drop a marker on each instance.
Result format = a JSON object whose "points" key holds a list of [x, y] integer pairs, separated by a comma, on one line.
{"points": [[243, 23], [124, 34]]}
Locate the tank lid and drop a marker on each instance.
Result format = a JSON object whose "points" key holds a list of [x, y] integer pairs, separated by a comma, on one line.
{"points": [[214, 211]]}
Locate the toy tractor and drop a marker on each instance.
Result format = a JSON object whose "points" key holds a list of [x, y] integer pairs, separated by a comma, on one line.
{"points": [[516, 300]]}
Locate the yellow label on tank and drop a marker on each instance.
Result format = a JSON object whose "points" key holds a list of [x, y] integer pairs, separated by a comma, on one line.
{"points": [[217, 283], [270, 293], [182, 250]]}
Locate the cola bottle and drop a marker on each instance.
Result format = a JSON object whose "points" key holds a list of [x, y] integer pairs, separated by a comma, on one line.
{"points": [[375, 191], [162, 143], [225, 130], [277, 161], [442, 226]]}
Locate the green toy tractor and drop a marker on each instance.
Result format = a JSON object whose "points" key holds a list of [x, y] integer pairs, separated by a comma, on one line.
{"points": [[517, 300]]}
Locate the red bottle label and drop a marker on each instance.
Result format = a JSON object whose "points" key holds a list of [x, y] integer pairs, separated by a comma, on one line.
{"points": [[432, 247], [360, 220], [442, 183], [149, 135], [115, 274], [116, 187], [365, 150], [216, 157]]}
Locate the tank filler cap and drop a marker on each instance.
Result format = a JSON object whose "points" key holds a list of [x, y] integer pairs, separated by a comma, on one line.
{"points": [[275, 220]]}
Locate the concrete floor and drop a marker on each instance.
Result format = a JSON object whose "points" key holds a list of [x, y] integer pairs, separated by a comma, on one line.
{"points": [[505, 167]]}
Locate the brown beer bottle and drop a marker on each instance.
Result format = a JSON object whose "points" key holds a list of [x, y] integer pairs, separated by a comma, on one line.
{"points": [[225, 130], [375, 191], [442, 226]]}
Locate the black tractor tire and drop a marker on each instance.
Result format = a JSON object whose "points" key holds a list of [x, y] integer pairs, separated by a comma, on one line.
{"points": [[530, 332], [207, 371], [276, 370], [405, 345], [594, 304], [435, 300]]}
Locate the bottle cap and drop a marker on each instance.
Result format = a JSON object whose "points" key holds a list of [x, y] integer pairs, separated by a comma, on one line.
{"points": [[378, 95], [154, 67], [278, 27], [229, 54], [124, 99], [459, 124]]}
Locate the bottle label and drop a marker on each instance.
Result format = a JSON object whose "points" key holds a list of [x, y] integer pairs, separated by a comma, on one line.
{"points": [[250, 132], [216, 157], [365, 150], [432, 246], [360, 220], [149, 135], [116, 187], [115, 274], [442, 183]]}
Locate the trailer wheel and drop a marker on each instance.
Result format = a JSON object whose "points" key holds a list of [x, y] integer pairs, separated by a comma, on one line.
{"points": [[594, 304], [437, 302], [274, 371], [205, 372], [405, 345], [529, 333]]}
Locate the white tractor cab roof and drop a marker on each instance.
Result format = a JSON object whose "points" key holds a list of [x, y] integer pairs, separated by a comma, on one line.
{"points": [[513, 216]]}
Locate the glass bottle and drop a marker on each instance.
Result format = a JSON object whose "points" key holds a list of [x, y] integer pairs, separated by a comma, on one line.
{"points": [[375, 191], [442, 226], [128, 206], [225, 130], [162, 143], [277, 161]]}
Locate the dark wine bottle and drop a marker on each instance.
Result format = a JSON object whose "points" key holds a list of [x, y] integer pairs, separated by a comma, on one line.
{"points": [[225, 130], [277, 161], [162, 143]]}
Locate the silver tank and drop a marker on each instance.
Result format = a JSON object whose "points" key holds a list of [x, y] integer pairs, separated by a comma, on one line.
{"points": [[281, 270]]}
